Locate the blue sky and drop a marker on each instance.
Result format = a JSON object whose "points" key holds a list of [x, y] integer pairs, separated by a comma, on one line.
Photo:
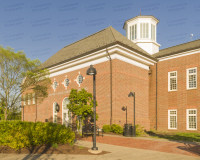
{"points": [[41, 28]]}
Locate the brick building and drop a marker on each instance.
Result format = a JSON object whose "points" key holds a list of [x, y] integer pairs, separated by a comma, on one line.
{"points": [[164, 81]]}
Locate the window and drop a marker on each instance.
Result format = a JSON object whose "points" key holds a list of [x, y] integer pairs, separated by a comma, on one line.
{"points": [[66, 113], [66, 83], [152, 32], [29, 99], [133, 32], [33, 95], [172, 81], [24, 99], [54, 112], [172, 119], [191, 119], [79, 79], [192, 78], [55, 84], [144, 30]]}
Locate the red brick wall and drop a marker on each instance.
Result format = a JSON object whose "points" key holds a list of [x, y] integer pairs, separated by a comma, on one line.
{"points": [[125, 78], [45, 109], [181, 99], [129, 78]]}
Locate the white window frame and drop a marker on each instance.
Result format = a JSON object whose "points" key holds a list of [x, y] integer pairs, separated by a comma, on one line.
{"points": [[29, 99], [153, 28], [187, 74], [69, 114], [169, 118], [187, 118], [169, 77], [33, 96], [144, 30], [25, 99], [133, 32], [55, 113]]}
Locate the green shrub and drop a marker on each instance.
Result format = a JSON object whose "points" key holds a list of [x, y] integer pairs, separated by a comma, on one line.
{"points": [[106, 128], [139, 130], [18, 134], [55, 145], [116, 128]]}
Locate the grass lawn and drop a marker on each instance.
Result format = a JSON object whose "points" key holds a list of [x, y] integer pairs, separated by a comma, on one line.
{"points": [[193, 137]]}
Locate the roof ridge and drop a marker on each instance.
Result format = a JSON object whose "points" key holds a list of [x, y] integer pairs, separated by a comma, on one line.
{"points": [[112, 32], [86, 37], [180, 44]]}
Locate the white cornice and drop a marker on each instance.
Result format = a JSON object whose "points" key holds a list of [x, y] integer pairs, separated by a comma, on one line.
{"points": [[181, 54], [116, 52], [97, 61]]}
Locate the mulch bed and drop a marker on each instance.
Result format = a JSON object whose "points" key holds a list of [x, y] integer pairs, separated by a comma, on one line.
{"points": [[48, 149]]}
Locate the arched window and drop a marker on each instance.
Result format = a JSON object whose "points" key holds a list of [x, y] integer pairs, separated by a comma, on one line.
{"points": [[54, 113], [66, 114]]}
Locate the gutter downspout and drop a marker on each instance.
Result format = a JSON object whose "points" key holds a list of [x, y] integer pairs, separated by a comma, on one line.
{"points": [[156, 98], [110, 87]]}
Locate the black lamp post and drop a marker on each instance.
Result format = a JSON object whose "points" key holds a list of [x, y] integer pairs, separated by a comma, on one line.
{"points": [[132, 94], [125, 109], [92, 71]]}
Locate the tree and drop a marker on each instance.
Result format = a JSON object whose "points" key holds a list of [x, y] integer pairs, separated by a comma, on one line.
{"points": [[81, 104], [18, 74]]}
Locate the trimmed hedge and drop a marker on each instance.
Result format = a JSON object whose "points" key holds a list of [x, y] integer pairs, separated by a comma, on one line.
{"points": [[116, 128], [18, 134], [106, 128]]}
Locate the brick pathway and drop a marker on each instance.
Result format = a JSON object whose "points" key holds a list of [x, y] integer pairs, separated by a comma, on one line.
{"points": [[169, 147]]}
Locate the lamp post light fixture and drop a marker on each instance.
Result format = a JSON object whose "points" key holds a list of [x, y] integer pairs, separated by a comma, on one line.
{"points": [[125, 109], [132, 94], [92, 71], [57, 108]]}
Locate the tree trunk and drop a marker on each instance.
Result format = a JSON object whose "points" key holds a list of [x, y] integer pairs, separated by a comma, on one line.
{"points": [[5, 116]]}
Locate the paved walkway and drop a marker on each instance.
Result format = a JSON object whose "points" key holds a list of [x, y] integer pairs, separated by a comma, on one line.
{"points": [[123, 148], [161, 145]]}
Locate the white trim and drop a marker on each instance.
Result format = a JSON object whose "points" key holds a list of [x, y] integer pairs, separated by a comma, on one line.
{"points": [[169, 77], [97, 56], [169, 118], [114, 56], [181, 54], [33, 96], [63, 109], [29, 99], [187, 78], [25, 99], [187, 119], [100, 60], [54, 113]]}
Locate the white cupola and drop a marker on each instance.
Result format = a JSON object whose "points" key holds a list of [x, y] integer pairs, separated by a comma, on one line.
{"points": [[142, 31]]}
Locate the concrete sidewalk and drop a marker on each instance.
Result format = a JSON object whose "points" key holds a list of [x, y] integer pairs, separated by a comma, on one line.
{"points": [[117, 153]]}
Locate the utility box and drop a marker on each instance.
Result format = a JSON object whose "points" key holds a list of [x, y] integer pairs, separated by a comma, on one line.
{"points": [[127, 130]]}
